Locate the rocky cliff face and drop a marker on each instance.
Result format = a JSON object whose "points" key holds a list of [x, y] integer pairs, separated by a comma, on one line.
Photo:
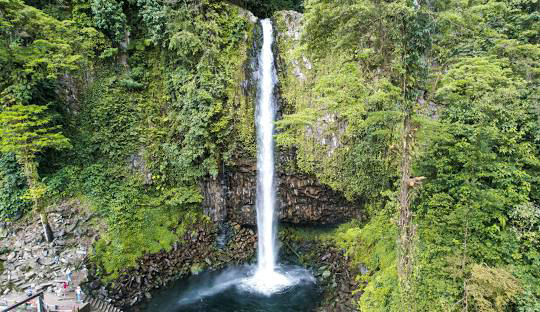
{"points": [[202, 248], [301, 198]]}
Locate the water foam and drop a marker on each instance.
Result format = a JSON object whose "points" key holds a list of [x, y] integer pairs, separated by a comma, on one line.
{"points": [[268, 283], [267, 278], [248, 279]]}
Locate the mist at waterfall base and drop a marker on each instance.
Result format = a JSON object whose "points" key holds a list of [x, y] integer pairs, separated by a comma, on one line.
{"points": [[225, 291], [267, 286]]}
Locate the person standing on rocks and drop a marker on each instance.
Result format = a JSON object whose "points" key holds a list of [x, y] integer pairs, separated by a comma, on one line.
{"points": [[29, 291], [78, 293], [59, 290], [65, 286], [68, 275]]}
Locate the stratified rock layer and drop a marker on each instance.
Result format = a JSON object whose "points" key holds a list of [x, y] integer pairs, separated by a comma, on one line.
{"points": [[301, 198]]}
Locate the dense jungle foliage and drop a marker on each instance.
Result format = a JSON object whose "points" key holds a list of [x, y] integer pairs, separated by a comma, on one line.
{"points": [[471, 74], [426, 107]]}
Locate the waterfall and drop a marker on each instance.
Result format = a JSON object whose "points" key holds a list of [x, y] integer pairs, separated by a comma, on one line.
{"points": [[266, 189], [268, 277]]}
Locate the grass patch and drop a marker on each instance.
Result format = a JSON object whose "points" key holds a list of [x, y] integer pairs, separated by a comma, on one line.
{"points": [[328, 233]]}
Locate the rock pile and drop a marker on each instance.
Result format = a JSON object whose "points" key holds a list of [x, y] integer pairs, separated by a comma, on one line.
{"points": [[29, 260], [337, 280], [198, 251], [330, 267]]}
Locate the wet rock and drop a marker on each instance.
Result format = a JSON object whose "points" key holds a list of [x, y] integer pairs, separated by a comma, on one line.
{"points": [[331, 268], [363, 270], [301, 198], [137, 164], [326, 274], [197, 251], [134, 300]]}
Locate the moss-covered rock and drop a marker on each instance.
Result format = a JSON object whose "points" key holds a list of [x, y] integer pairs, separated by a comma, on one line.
{"points": [[241, 93], [293, 66], [197, 251], [316, 249]]}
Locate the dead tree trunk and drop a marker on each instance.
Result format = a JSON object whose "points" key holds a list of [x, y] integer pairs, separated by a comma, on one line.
{"points": [[47, 231]]}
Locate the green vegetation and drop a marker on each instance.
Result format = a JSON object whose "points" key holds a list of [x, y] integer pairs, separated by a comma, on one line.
{"points": [[267, 7], [25, 131], [13, 187], [435, 110], [147, 102], [109, 17], [374, 246], [427, 111]]}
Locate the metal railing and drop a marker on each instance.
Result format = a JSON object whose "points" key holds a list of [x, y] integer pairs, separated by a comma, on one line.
{"points": [[40, 305]]}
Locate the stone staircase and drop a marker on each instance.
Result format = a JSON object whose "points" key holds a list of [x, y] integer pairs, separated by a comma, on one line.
{"points": [[94, 305]]}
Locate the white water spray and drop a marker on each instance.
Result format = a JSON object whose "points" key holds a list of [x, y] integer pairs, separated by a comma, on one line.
{"points": [[266, 188], [268, 278]]}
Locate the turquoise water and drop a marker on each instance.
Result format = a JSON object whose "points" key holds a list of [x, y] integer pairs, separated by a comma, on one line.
{"points": [[223, 291]]}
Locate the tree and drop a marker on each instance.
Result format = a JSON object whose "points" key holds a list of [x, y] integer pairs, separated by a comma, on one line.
{"points": [[389, 42], [415, 27], [25, 130], [35, 49], [12, 188], [109, 17]]}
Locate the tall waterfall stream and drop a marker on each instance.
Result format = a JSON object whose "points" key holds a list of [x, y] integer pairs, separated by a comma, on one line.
{"points": [[267, 286], [266, 188]]}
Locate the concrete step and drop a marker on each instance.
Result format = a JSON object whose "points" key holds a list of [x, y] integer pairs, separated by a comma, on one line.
{"points": [[100, 306]]}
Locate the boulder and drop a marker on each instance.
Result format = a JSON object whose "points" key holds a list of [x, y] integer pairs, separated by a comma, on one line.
{"points": [[196, 252]]}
